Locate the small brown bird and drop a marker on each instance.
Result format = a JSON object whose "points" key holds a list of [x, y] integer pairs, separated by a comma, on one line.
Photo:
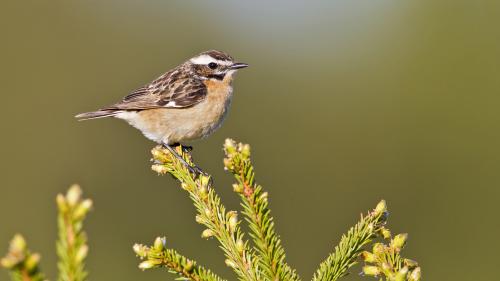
{"points": [[186, 103]]}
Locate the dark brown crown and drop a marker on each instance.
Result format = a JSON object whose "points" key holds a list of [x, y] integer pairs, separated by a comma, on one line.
{"points": [[218, 55]]}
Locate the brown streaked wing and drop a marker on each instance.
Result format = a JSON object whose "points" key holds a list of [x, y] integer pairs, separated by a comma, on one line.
{"points": [[183, 92]]}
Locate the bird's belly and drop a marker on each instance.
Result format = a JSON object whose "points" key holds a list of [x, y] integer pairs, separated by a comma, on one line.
{"points": [[174, 125]]}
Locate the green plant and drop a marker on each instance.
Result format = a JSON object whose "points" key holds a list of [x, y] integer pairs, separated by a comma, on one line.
{"points": [[71, 245], [260, 257]]}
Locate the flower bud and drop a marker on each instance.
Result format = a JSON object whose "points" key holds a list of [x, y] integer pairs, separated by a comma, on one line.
{"points": [[204, 180], [240, 245], [186, 186], [82, 253], [386, 233], [399, 241], [159, 168], [189, 265], [148, 264], [381, 208], [208, 213], [18, 244], [160, 243], [410, 263], [32, 261], [401, 274], [385, 266], [371, 270], [82, 209], [378, 249], [368, 257], [264, 196], [238, 188], [415, 275], [233, 220], [140, 250], [203, 191], [207, 233], [8, 262], [245, 150], [61, 203], [230, 146], [198, 219], [73, 195], [230, 263]]}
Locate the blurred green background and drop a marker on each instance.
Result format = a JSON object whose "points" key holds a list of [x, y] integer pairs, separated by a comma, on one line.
{"points": [[345, 103]]}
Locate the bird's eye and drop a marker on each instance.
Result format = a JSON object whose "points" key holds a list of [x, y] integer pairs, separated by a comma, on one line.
{"points": [[212, 65]]}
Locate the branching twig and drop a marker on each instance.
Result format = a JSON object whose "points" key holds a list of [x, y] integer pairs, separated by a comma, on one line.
{"points": [[72, 246], [351, 244], [222, 225], [257, 213], [22, 264], [159, 256]]}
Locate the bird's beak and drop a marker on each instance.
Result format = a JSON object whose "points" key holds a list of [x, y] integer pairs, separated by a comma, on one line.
{"points": [[238, 65]]}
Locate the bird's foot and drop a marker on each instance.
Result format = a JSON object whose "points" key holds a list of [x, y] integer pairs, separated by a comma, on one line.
{"points": [[185, 148]]}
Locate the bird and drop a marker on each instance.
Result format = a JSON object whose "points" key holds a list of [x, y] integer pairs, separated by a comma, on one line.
{"points": [[186, 103]]}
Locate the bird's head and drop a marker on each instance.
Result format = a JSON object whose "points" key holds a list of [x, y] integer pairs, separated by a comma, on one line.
{"points": [[214, 65]]}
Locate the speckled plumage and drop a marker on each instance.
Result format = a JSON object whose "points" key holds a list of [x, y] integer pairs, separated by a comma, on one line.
{"points": [[186, 103]]}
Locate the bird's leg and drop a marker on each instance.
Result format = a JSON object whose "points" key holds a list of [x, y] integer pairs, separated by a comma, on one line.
{"points": [[186, 148], [195, 170]]}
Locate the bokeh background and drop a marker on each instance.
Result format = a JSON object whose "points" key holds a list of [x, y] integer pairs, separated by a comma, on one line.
{"points": [[345, 103]]}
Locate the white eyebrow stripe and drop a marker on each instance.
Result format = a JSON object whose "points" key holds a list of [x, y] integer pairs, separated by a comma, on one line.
{"points": [[206, 59]]}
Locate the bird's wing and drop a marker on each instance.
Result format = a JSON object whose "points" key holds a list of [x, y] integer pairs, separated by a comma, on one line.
{"points": [[170, 90]]}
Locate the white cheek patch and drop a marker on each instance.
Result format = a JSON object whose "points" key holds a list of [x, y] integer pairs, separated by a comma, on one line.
{"points": [[206, 59]]}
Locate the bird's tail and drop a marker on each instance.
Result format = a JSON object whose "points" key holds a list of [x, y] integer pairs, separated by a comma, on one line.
{"points": [[96, 114]]}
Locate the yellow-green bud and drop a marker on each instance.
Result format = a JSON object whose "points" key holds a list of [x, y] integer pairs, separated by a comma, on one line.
{"points": [[204, 180], [386, 233], [415, 275], [386, 267], [32, 261], [245, 150], [159, 168], [401, 274], [73, 195], [160, 154], [240, 245], [198, 219], [208, 213], [227, 164], [207, 233], [263, 196], [410, 263], [160, 243], [399, 241], [185, 186], [230, 263], [230, 146], [140, 250], [381, 207], [203, 191], [189, 265], [82, 209], [371, 270], [378, 249], [233, 220], [8, 262], [82, 253], [238, 188], [368, 257], [61, 203], [148, 264], [18, 244]]}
